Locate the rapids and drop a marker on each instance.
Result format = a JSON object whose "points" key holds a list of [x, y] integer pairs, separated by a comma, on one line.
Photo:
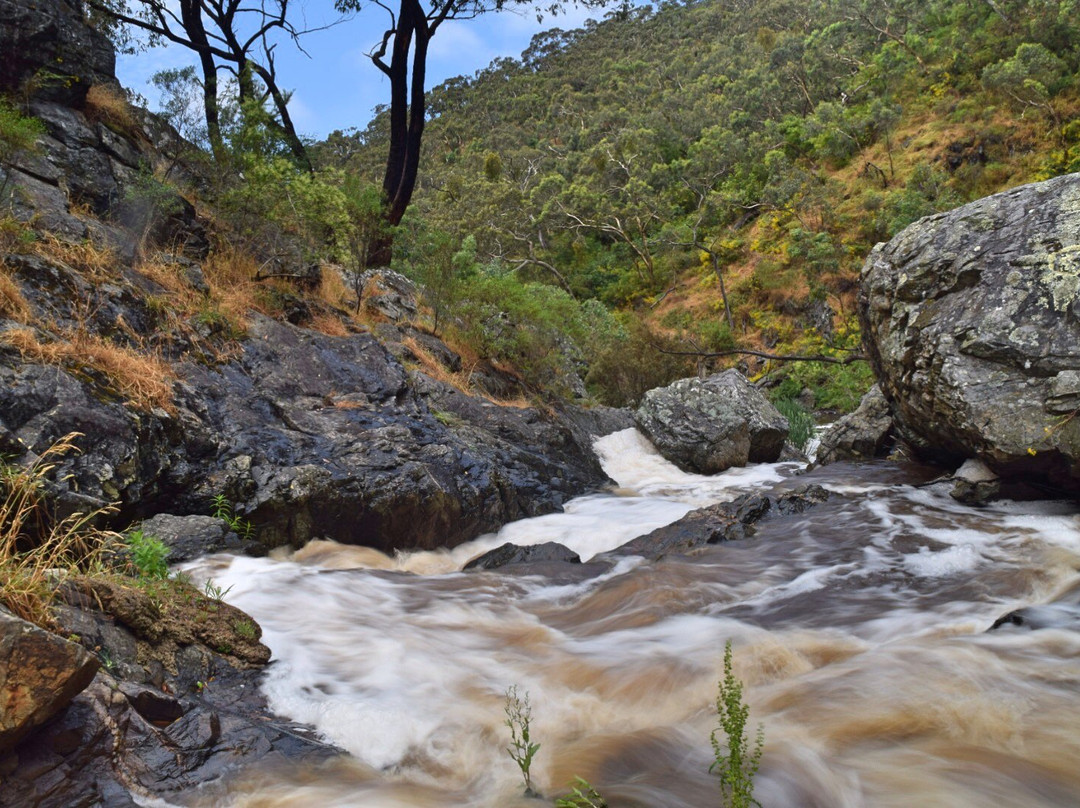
{"points": [[859, 629]]}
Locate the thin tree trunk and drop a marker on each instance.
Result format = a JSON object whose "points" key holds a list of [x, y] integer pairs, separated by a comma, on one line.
{"points": [[723, 291]]}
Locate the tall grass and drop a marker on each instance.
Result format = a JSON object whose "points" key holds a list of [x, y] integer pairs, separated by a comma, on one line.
{"points": [[800, 422], [36, 548]]}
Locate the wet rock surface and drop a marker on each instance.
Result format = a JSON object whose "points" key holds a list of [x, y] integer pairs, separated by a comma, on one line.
{"points": [[510, 554], [708, 425], [727, 521], [972, 322], [189, 537]]}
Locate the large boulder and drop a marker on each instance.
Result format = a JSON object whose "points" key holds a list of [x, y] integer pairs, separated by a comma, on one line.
{"points": [[709, 425], [860, 435], [972, 323], [40, 674]]}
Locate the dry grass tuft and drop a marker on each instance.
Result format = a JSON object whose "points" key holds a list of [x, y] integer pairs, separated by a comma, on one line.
{"points": [[144, 379], [107, 105], [334, 291], [13, 305], [35, 549], [460, 380], [230, 274], [94, 260], [170, 277], [431, 366], [328, 324]]}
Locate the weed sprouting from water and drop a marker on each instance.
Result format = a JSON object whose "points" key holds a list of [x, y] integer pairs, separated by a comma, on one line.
{"points": [[521, 749], [735, 763], [582, 795]]}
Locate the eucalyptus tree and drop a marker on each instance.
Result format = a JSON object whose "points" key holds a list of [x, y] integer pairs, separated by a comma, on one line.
{"points": [[401, 55], [231, 35]]}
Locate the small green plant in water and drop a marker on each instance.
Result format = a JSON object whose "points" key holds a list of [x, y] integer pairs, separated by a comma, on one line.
{"points": [[735, 763], [521, 749], [149, 555], [582, 795]]}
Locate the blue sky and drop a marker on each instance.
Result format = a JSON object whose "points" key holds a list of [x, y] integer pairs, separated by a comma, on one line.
{"points": [[338, 86]]}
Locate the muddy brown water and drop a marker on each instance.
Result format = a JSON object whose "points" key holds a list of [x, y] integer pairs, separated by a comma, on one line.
{"points": [[859, 630]]}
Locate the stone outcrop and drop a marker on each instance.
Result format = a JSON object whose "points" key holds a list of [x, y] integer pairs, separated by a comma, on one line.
{"points": [[49, 51], [863, 434], [709, 425], [40, 673], [306, 434], [972, 322], [176, 702]]}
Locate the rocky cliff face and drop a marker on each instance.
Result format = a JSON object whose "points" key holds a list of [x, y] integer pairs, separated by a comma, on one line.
{"points": [[972, 322]]}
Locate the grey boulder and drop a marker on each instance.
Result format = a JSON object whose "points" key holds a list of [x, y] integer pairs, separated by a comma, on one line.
{"points": [[860, 435], [708, 425], [972, 323]]}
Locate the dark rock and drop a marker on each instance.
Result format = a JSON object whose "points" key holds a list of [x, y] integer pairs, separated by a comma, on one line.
{"points": [[972, 321], [389, 294], [597, 422], [153, 705], [328, 436], [191, 271], [709, 425], [40, 674], [50, 50], [171, 710], [863, 434], [727, 521], [1032, 618], [508, 554], [189, 537]]}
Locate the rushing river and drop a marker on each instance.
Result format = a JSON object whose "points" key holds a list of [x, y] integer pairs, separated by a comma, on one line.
{"points": [[859, 630]]}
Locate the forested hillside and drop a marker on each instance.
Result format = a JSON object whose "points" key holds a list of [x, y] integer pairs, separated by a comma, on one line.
{"points": [[715, 172]]}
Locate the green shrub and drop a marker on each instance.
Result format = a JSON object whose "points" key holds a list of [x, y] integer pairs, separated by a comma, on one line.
{"points": [[735, 762], [18, 133], [148, 555]]}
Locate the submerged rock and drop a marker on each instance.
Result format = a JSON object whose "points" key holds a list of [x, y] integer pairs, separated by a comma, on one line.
{"points": [[727, 521], [972, 322], [509, 553], [709, 425], [863, 434], [974, 483]]}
